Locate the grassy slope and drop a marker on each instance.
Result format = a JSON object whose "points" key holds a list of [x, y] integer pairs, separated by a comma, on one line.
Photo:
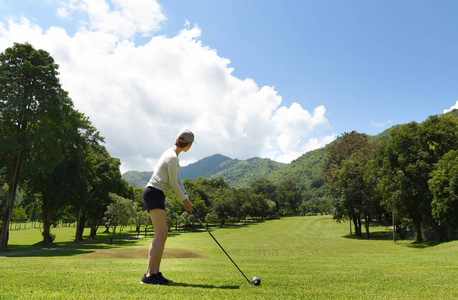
{"points": [[296, 258]]}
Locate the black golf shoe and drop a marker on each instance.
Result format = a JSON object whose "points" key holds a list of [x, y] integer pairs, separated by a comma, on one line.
{"points": [[159, 275], [155, 279]]}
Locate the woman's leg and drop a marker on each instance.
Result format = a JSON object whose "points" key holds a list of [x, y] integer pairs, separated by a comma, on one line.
{"points": [[156, 249]]}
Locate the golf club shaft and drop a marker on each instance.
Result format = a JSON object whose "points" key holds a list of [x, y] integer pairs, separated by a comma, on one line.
{"points": [[195, 213]]}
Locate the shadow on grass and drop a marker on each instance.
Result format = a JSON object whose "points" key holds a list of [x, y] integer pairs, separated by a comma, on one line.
{"points": [[66, 249], [205, 286], [423, 245], [376, 236], [388, 236]]}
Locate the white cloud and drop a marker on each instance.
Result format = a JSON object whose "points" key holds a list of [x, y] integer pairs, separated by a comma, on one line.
{"points": [[140, 96], [294, 123], [123, 18], [310, 144], [451, 108]]}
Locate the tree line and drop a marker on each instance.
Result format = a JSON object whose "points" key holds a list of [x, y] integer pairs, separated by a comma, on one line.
{"points": [[411, 177], [214, 200]]}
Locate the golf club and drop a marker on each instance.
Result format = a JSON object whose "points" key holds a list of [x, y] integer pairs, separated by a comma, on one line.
{"points": [[255, 281]]}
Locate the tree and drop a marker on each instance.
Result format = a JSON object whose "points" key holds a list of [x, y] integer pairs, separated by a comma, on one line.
{"points": [[439, 134], [31, 106], [19, 215], [290, 196], [358, 181], [185, 218], [64, 185], [198, 197], [444, 187], [245, 208], [224, 205], [32, 204], [349, 200], [405, 172], [119, 212], [343, 171], [105, 179], [372, 202], [86, 141], [3, 193], [410, 156], [259, 205], [268, 190], [139, 217]]}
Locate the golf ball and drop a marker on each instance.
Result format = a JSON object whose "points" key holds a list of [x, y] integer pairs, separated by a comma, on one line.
{"points": [[255, 278]]}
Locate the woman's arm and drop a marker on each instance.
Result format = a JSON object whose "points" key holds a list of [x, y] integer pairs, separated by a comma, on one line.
{"points": [[177, 184]]}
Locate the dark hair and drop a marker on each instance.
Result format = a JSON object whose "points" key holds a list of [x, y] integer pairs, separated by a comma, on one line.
{"points": [[181, 144]]}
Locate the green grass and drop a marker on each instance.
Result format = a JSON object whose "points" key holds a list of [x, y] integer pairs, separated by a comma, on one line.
{"points": [[296, 258]]}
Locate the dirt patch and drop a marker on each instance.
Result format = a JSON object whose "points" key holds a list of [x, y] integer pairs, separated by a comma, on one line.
{"points": [[140, 253]]}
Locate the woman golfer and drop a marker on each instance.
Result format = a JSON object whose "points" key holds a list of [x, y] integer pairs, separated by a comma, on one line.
{"points": [[166, 175]]}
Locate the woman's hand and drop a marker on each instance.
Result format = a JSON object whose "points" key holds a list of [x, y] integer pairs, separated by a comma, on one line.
{"points": [[188, 205]]}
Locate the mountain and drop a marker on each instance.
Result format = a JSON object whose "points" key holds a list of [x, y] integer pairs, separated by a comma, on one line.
{"points": [[237, 173], [305, 172], [240, 173], [206, 167], [137, 179]]}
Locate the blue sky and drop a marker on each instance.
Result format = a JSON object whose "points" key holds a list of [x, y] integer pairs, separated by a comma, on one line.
{"points": [[368, 62], [315, 68]]}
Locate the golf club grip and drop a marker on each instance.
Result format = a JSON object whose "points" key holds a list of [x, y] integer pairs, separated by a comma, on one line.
{"points": [[200, 221]]}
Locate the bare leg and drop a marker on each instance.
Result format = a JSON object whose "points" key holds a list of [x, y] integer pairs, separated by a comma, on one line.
{"points": [[156, 249]]}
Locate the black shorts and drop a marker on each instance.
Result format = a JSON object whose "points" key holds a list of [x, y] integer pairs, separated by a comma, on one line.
{"points": [[153, 198]]}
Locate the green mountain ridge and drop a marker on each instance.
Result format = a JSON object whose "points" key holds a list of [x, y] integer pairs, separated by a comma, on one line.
{"points": [[237, 173], [137, 179], [240, 173]]}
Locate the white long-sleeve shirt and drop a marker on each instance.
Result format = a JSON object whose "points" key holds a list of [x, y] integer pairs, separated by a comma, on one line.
{"points": [[167, 175]]}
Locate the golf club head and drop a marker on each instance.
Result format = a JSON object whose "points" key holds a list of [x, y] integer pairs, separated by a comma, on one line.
{"points": [[255, 281]]}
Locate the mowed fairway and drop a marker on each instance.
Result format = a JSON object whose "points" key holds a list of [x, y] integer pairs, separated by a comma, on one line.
{"points": [[296, 258]]}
